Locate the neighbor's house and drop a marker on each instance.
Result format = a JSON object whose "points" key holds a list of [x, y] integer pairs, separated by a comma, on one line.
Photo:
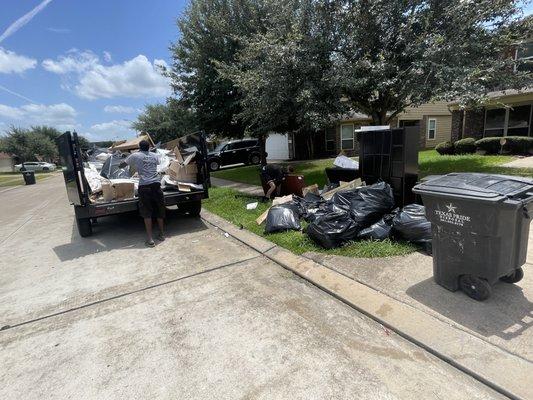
{"points": [[7, 162], [507, 113], [433, 119]]}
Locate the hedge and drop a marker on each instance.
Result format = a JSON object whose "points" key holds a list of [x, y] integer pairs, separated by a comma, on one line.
{"points": [[445, 148], [513, 145], [465, 146]]}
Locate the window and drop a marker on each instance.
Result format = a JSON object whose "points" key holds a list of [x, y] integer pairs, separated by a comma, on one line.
{"points": [[495, 122], [432, 129], [524, 53], [512, 121], [347, 137], [518, 124], [330, 139]]}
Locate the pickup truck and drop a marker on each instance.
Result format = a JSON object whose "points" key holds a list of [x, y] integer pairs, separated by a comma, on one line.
{"points": [[86, 212]]}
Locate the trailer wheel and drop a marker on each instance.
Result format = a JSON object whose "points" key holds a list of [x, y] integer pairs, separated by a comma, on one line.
{"points": [[513, 277], [194, 208], [474, 287], [85, 228]]}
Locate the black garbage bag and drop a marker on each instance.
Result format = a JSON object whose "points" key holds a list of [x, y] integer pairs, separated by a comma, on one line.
{"points": [[381, 230], [343, 199], [111, 168], [371, 203], [411, 224], [332, 229], [281, 219], [298, 208]]}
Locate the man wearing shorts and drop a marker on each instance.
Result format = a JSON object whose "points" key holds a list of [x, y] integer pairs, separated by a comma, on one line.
{"points": [[272, 175], [151, 200]]}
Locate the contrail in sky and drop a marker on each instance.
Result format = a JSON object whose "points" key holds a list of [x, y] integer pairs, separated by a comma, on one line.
{"points": [[19, 23], [16, 94]]}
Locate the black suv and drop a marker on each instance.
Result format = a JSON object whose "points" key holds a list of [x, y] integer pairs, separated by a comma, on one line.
{"points": [[245, 151]]}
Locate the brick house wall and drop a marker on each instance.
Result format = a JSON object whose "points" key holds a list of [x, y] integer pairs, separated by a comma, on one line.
{"points": [[474, 123], [457, 125]]}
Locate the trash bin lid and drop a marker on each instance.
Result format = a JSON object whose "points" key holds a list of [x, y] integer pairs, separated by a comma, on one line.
{"points": [[488, 187]]}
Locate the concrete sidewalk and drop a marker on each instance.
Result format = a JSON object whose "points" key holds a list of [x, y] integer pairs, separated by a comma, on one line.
{"points": [[241, 187], [524, 162]]}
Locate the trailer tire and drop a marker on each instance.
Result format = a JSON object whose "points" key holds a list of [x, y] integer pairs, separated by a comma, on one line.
{"points": [[194, 208], [85, 228]]}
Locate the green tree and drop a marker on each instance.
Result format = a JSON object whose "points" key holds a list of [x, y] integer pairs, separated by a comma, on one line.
{"points": [[28, 145], [165, 122], [284, 73], [391, 54], [211, 32]]}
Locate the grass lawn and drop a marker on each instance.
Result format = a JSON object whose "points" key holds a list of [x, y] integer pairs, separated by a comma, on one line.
{"points": [[15, 178], [231, 205], [430, 163]]}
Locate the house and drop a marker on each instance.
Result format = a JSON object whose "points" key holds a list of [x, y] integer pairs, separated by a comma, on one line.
{"points": [[7, 162], [433, 119], [506, 113]]}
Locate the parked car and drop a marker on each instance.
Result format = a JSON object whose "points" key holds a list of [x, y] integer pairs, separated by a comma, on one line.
{"points": [[244, 151], [35, 166]]}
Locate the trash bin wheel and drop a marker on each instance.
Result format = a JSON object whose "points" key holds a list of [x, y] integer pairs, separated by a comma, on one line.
{"points": [[513, 277], [85, 228], [474, 287]]}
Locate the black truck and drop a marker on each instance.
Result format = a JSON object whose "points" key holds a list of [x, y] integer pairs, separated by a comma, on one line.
{"points": [[78, 190]]}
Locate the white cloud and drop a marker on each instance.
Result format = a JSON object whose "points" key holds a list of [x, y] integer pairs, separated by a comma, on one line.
{"points": [[19, 23], [107, 56], [11, 62], [137, 77], [74, 61], [119, 109], [57, 115], [111, 130]]}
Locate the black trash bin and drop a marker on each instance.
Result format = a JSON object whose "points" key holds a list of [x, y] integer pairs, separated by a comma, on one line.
{"points": [[480, 229], [29, 177]]}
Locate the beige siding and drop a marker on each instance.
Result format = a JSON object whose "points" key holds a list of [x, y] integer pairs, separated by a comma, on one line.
{"points": [[444, 129], [436, 108]]}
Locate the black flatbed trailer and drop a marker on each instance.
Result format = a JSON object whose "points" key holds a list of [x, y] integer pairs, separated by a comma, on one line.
{"points": [[78, 190]]}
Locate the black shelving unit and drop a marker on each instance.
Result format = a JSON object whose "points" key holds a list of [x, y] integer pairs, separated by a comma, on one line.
{"points": [[391, 155]]}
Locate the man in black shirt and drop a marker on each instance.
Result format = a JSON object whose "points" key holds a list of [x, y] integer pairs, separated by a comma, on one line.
{"points": [[272, 175]]}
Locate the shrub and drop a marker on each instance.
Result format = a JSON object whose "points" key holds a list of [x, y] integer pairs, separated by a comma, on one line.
{"points": [[513, 145], [490, 145], [445, 148], [465, 146]]}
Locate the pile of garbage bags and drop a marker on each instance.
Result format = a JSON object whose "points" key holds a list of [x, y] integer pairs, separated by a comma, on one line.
{"points": [[363, 213]]}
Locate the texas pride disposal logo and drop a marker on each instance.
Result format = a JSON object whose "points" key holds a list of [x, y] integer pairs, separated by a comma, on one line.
{"points": [[450, 215]]}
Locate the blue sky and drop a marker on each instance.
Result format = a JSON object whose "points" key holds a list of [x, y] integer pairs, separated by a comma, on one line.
{"points": [[84, 65]]}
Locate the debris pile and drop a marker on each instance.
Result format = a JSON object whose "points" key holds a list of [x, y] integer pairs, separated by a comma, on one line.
{"points": [[109, 180], [349, 212]]}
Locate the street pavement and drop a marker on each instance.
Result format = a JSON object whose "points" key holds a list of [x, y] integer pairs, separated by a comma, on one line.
{"points": [[199, 316]]}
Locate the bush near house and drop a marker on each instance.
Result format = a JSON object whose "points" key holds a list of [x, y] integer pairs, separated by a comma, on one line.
{"points": [[513, 145], [465, 146], [445, 148]]}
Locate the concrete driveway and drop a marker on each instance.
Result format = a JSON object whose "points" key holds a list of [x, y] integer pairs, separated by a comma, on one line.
{"points": [[198, 317]]}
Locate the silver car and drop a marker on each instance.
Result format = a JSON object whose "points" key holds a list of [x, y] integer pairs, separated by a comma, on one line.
{"points": [[35, 166]]}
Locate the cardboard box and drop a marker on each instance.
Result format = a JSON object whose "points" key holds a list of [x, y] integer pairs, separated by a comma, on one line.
{"points": [[183, 172], [121, 190]]}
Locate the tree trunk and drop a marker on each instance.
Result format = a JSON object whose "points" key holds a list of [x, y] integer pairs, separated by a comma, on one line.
{"points": [[262, 144]]}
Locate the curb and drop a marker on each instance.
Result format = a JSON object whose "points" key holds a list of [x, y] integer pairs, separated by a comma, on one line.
{"points": [[503, 372]]}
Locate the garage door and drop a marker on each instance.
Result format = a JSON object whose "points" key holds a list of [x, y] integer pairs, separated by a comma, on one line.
{"points": [[277, 147]]}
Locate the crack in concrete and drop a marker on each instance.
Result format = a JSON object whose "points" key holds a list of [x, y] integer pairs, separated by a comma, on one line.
{"points": [[121, 295]]}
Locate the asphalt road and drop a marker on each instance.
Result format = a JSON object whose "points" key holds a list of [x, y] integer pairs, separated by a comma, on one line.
{"points": [[199, 316]]}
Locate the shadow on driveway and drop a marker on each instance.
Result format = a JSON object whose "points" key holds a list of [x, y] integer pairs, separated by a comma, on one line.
{"points": [[121, 232], [507, 314]]}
